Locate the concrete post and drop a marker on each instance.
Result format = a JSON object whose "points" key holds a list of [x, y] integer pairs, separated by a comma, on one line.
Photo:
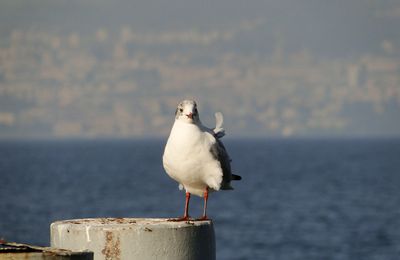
{"points": [[136, 238]]}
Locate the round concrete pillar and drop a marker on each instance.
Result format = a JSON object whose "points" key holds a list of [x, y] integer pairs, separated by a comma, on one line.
{"points": [[136, 238]]}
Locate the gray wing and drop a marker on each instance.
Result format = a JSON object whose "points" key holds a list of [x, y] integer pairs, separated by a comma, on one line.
{"points": [[219, 152], [219, 132]]}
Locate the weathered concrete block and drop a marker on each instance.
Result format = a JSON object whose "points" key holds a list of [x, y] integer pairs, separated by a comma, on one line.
{"points": [[14, 251], [136, 238]]}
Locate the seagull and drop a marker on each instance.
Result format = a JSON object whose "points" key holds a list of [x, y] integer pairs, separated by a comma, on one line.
{"points": [[195, 157]]}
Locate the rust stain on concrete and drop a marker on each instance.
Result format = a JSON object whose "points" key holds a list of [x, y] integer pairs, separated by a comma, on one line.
{"points": [[112, 249]]}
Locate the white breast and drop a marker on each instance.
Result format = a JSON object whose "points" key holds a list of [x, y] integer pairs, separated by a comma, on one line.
{"points": [[188, 160]]}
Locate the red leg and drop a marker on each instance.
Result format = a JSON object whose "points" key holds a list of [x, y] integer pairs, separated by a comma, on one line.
{"points": [[186, 213], [204, 217]]}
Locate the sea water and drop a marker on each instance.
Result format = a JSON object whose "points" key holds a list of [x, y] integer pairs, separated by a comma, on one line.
{"points": [[298, 199]]}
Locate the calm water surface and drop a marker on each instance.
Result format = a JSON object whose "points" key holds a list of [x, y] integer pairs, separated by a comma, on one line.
{"points": [[299, 199]]}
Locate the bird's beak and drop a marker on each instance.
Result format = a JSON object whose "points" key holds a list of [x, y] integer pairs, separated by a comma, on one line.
{"points": [[190, 115]]}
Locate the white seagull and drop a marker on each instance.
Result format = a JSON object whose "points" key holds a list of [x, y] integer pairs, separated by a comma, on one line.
{"points": [[195, 157]]}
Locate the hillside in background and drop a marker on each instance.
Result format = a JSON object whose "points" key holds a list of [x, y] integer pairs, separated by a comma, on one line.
{"points": [[274, 68]]}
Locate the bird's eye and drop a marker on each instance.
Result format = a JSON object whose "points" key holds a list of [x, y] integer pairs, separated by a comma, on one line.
{"points": [[181, 110]]}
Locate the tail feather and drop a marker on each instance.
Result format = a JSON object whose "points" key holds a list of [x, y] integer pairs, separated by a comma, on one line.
{"points": [[236, 177]]}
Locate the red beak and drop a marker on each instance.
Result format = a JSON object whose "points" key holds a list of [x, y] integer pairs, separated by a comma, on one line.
{"points": [[190, 115]]}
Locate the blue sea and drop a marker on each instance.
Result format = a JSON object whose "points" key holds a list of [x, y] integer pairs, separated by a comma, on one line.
{"points": [[298, 199]]}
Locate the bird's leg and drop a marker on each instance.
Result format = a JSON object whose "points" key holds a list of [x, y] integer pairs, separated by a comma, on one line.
{"points": [[186, 213], [204, 217]]}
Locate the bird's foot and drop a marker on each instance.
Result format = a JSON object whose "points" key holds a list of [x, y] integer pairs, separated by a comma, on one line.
{"points": [[184, 218], [202, 218]]}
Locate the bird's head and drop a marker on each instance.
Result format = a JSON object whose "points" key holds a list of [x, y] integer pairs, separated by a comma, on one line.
{"points": [[187, 112]]}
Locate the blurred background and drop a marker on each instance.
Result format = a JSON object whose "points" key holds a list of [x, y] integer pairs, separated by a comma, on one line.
{"points": [[310, 92], [96, 68]]}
